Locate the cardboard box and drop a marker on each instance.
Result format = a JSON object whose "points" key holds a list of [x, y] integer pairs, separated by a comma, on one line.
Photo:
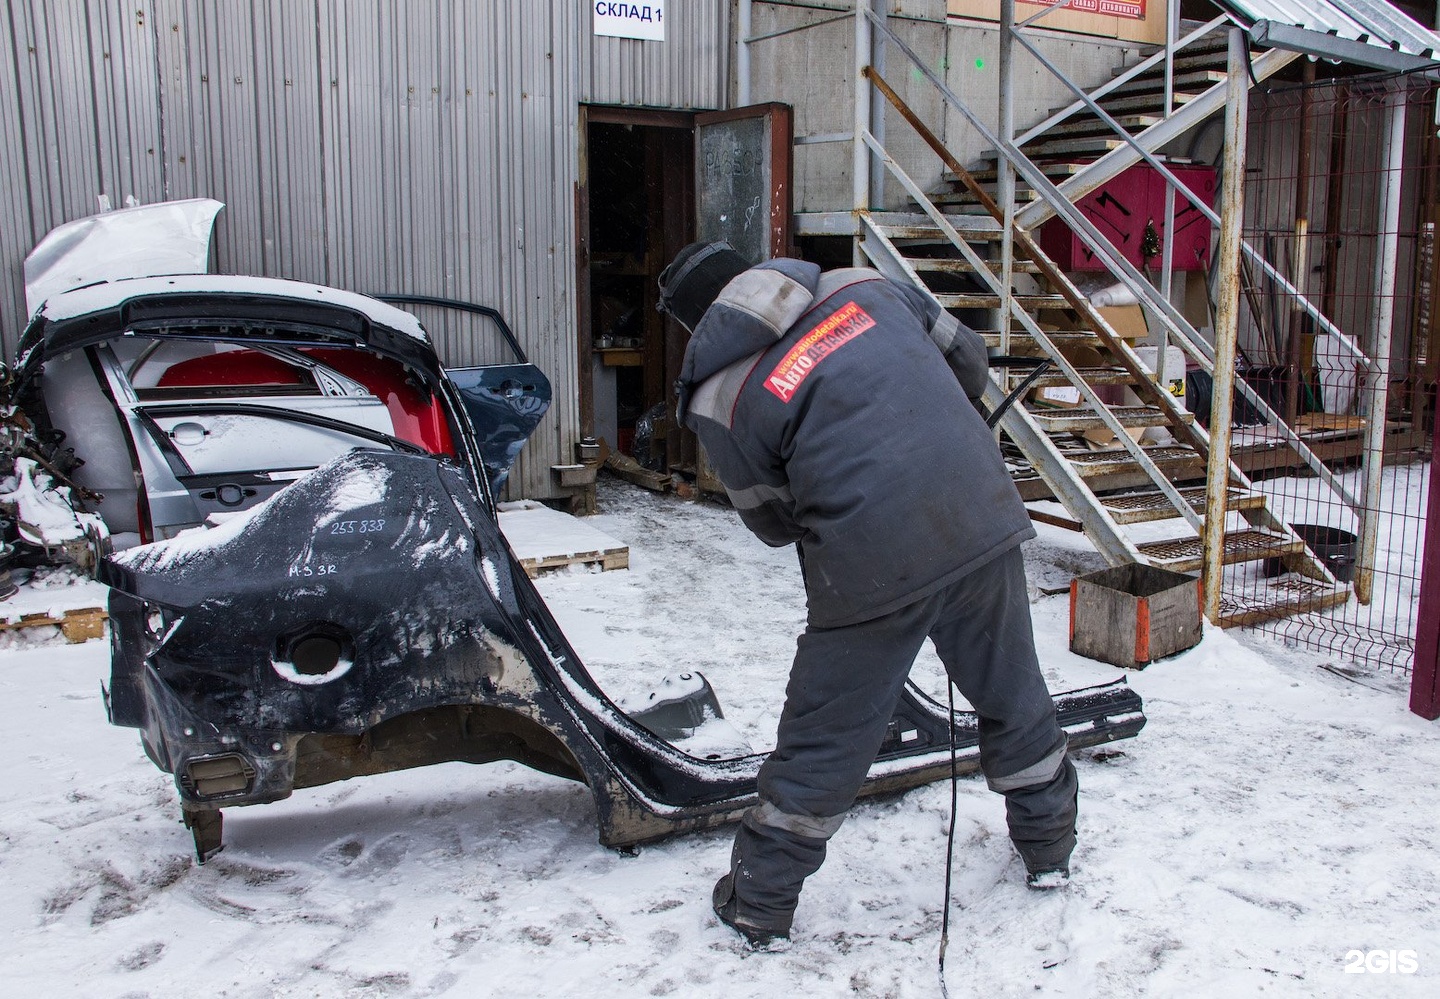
{"points": [[1126, 20], [1126, 320], [1057, 397]]}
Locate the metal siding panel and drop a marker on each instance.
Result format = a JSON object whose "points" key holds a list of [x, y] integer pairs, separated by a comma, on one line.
{"points": [[127, 112], [287, 67], [450, 156], [690, 69], [17, 235], [303, 120], [82, 121], [242, 126]]}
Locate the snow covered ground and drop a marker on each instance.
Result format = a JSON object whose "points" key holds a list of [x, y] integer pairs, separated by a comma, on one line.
{"points": [[1273, 819]]}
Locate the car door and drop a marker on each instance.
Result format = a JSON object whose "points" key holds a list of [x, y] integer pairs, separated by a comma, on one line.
{"points": [[503, 402]]}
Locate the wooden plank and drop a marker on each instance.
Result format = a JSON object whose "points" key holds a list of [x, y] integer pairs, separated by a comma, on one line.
{"points": [[632, 471]]}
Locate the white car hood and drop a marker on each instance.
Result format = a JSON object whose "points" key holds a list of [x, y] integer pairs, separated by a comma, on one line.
{"points": [[171, 237]]}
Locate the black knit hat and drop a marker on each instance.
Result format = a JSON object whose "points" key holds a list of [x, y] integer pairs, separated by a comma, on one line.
{"points": [[695, 279]]}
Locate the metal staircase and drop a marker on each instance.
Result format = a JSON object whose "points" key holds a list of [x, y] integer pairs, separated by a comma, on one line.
{"points": [[971, 247]]}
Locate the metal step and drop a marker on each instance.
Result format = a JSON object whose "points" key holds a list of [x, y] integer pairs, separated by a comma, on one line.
{"points": [[990, 174], [1169, 458], [1100, 375], [927, 233], [1082, 418], [1248, 545], [1283, 596], [1023, 345], [959, 265], [1195, 80], [1023, 195], [1144, 102], [1189, 58], [1096, 146], [1151, 505], [981, 300], [1084, 126]]}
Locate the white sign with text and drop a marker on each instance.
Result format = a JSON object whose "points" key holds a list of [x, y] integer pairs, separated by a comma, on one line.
{"points": [[630, 19]]}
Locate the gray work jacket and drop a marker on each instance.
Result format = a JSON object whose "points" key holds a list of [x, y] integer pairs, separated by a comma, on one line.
{"points": [[834, 409]]}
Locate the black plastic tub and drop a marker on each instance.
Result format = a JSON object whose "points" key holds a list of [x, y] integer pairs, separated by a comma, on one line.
{"points": [[1331, 545]]}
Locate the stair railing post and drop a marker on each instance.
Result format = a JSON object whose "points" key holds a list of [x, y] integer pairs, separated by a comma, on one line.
{"points": [[1227, 313], [1005, 175], [1167, 248], [1377, 389]]}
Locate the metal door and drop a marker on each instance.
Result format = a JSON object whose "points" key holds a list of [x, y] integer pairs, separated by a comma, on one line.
{"points": [[743, 179]]}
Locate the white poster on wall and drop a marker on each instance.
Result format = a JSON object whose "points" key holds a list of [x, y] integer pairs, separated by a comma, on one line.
{"points": [[627, 19]]}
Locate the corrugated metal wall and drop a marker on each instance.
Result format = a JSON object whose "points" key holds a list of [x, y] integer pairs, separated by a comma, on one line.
{"points": [[377, 145]]}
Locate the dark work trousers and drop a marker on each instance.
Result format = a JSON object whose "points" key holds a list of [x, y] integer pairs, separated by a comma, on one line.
{"points": [[843, 689]]}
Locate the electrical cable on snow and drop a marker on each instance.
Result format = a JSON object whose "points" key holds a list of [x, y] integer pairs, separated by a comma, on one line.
{"points": [[949, 839]]}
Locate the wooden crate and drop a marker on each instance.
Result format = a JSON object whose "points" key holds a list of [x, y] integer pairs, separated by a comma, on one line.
{"points": [[1134, 614]]}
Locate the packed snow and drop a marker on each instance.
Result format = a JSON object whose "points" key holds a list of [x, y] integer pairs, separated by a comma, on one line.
{"points": [[1270, 829]]}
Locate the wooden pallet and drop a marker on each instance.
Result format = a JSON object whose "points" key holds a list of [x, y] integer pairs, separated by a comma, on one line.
{"points": [[78, 625], [615, 558], [544, 539]]}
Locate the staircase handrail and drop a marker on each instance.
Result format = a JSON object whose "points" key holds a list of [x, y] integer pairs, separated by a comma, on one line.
{"points": [[982, 270], [1189, 338], [1119, 81], [1175, 184]]}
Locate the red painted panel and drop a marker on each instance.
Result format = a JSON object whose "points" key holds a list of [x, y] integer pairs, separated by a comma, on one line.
{"points": [[1130, 212]]}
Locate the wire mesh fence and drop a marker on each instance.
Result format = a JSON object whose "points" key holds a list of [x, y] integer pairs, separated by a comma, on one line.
{"points": [[1340, 195]]}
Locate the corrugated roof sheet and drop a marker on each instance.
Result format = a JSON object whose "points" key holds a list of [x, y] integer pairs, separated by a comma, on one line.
{"points": [[1369, 32]]}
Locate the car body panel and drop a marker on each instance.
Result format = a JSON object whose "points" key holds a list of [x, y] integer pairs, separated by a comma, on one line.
{"points": [[171, 237], [275, 646], [358, 609]]}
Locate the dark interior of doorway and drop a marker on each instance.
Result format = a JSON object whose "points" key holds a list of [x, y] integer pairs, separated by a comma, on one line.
{"points": [[640, 194]]}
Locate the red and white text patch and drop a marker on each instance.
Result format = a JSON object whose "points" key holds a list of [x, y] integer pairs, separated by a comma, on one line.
{"points": [[833, 332]]}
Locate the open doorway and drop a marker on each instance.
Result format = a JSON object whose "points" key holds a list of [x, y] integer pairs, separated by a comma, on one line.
{"points": [[637, 209], [650, 182]]}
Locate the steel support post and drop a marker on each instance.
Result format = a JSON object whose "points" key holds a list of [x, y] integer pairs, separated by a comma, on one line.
{"points": [[1227, 311], [877, 106], [1425, 672], [1167, 249], [860, 159], [1300, 271], [742, 55], [1006, 170], [1377, 378]]}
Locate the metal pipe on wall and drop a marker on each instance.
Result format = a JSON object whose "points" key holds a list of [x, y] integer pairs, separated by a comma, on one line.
{"points": [[1227, 314], [860, 159], [877, 109], [1377, 387], [742, 54]]}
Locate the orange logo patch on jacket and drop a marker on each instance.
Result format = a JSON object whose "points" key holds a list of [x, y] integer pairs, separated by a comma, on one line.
{"points": [[834, 331]]}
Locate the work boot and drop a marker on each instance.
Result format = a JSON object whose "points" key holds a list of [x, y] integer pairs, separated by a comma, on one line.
{"points": [[1048, 879], [760, 934]]}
